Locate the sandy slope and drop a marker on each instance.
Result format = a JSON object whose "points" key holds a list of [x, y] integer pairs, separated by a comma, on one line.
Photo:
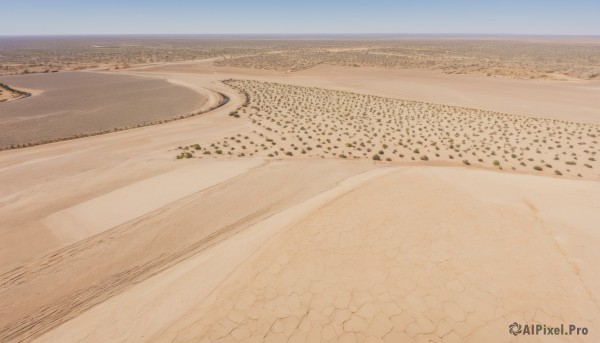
{"points": [[416, 255], [193, 280], [401, 254], [109, 238]]}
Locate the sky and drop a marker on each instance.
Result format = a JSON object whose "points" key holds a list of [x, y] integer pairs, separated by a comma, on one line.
{"points": [[70, 17]]}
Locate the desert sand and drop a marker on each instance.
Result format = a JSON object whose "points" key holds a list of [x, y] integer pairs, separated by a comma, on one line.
{"points": [[112, 238]]}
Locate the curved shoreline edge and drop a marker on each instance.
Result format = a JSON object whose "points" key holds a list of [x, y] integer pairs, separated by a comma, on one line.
{"points": [[224, 100]]}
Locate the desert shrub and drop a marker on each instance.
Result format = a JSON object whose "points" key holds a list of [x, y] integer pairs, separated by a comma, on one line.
{"points": [[466, 162], [376, 157], [424, 158], [538, 168], [496, 163], [557, 172]]}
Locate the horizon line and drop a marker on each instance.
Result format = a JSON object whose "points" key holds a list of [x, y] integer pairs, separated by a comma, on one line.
{"points": [[457, 34]]}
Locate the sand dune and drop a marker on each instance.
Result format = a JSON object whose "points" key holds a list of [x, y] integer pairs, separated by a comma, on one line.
{"points": [[111, 238], [391, 254]]}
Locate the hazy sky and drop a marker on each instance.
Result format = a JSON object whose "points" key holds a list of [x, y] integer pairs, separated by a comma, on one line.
{"points": [[306, 16]]}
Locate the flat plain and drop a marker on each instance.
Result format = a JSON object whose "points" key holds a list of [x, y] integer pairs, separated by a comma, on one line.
{"points": [[76, 104], [325, 203]]}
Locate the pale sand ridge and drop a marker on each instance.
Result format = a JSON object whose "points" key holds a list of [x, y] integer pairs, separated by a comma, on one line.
{"points": [[119, 206]]}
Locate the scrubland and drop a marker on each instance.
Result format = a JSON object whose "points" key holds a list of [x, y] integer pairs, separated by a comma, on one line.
{"points": [[518, 57], [308, 122]]}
